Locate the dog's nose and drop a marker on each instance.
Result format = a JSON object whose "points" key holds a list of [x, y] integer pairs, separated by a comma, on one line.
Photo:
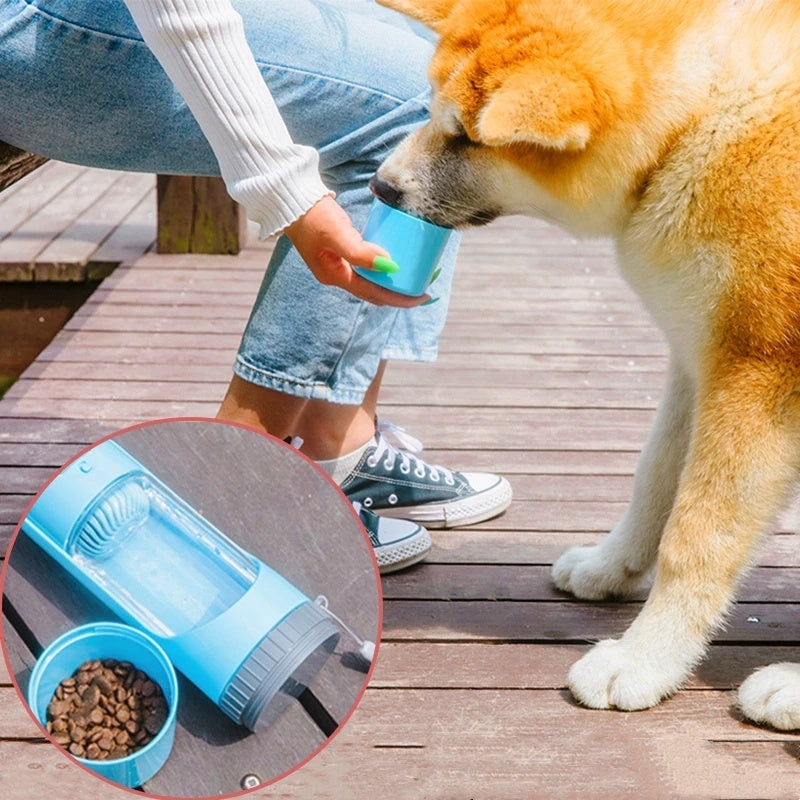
{"points": [[385, 192]]}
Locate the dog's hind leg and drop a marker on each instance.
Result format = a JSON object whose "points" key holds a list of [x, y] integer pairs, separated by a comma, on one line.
{"points": [[741, 464], [617, 566]]}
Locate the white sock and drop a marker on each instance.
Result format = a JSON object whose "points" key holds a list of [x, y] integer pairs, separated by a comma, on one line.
{"points": [[340, 468]]}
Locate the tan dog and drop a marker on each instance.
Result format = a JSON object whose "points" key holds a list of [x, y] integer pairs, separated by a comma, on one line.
{"points": [[674, 127]]}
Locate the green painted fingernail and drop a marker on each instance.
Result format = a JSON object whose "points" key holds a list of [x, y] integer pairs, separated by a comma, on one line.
{"points": [[435, 276], [384, 264]]}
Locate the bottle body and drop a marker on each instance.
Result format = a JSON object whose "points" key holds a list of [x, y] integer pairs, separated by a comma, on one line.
{"points": [[163, 563], [231, 624]]}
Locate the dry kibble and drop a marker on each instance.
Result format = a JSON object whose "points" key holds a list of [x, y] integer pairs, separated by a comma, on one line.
{"points": [[78, 734], [102, 684], [57, 708], [106, 710], [77, 749]]}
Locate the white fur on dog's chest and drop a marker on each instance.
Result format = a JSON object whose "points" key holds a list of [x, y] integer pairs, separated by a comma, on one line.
{"points": [[678, 298]]}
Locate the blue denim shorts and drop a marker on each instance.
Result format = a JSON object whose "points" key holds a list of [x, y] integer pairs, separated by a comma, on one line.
{"points": [[79, 85]]}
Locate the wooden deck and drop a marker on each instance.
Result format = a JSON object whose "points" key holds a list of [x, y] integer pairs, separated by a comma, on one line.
{"points": [[549, 373]]}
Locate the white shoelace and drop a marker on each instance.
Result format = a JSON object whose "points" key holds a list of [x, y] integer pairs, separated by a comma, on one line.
{"points": [[403, 439], [407, 450]]}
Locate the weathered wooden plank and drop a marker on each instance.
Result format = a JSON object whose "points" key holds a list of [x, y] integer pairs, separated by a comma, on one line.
{"points": [[147, 337], [156, 320], [553, 313], [52, 429], [565, 621], [519, 745], [129, 354], [19, 479], [38, 230], [475, 665], [80, 239], [480, 545], [438, 427], [125, 382], [20, 456], [38, 769], [497, 582], [249, 265], [57, 389], [16, 164], [423, 393], [564, 362], [116, 413], [58, 361], [134, 236], [15, 722], [123, 319]]}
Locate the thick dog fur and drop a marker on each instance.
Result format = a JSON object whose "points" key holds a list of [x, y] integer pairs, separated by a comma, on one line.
{"points": [[674, 127]]}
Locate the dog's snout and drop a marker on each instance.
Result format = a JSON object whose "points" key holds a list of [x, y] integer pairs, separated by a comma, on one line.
{"points": [[385, 191]]}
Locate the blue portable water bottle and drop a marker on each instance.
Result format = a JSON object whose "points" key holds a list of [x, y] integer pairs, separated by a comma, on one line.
{"points": [[232, 625]]}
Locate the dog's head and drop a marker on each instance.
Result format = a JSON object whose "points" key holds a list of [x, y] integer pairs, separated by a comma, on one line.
{"points": [[534, 112]]}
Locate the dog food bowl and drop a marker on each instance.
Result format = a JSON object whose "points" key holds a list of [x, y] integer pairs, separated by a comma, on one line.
{"points": [[414, 244], [101, 641]]}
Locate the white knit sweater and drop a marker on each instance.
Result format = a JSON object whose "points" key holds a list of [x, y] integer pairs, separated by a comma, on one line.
{"points": [[202, 47]]}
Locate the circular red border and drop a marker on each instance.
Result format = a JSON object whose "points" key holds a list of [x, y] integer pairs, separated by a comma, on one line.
{"points": [[342, 722]]}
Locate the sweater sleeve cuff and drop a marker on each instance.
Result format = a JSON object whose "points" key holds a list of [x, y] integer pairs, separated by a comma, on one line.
{"points": [[276, 199]]}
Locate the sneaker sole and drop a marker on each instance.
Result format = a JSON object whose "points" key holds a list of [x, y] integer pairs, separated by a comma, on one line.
{"points": [[393, 557], [475, 508]]}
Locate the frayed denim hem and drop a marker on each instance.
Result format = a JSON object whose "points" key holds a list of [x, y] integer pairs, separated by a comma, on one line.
{"points": [[305, 389], [314, 390]]}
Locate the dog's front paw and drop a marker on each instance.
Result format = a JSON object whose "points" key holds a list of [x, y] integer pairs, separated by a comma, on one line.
{"points": [[589, 573], [771, 696], [613, 674]]}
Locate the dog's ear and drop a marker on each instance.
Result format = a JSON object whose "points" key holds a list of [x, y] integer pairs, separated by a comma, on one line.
{"points": [[428, 12], [542, 105]]}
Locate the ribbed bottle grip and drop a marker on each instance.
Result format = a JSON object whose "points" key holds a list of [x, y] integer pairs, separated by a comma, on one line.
{"points": [[112, 520]]}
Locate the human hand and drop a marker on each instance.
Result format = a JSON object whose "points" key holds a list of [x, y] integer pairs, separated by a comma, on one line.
{"points": [[330, 245]]}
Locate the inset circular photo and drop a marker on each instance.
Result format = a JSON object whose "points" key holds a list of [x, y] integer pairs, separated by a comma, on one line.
{"points": [[191, 609]]}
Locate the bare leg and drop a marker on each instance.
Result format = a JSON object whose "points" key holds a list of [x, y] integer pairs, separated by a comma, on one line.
{"points": [[263, 409], [328, 430]]}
